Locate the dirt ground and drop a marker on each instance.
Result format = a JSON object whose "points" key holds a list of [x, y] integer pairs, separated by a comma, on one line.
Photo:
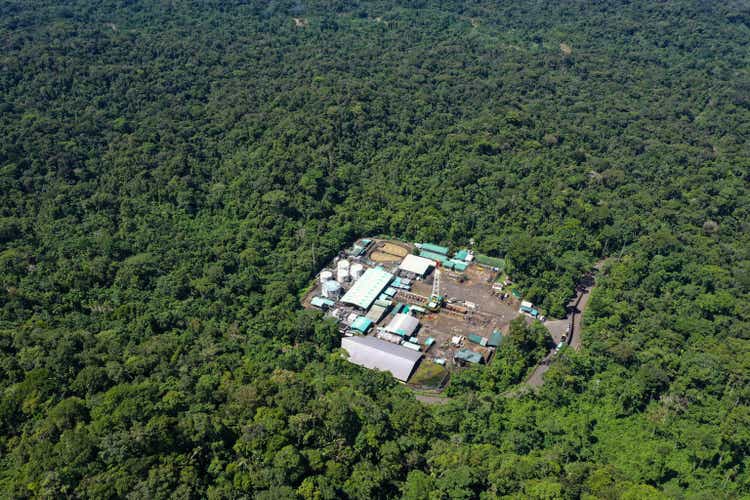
{"points": [[388, 251], [378, 256], [471, 289], [395, 249]]}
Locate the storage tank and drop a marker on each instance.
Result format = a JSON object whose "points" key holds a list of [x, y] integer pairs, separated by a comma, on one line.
{"points": [[325, 275], [331, 289], [342, 271], [342, 275], [356, 271]]}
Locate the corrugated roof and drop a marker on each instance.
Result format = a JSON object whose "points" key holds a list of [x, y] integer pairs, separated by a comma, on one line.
{"points": [[431, 247], [459, 265], [495, 339], [432, 255], [461, 254], [361, 324], [470, 356], [377, 354], [416, 264], [376, 312], [403, 324], [367, 288], [322, 302], [477, 339]]}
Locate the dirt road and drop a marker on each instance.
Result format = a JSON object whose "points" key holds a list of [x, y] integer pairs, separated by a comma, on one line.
{"points": [[572, 322]]}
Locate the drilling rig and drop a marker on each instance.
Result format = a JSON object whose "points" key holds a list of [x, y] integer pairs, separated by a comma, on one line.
{"points": [[436, 298]]}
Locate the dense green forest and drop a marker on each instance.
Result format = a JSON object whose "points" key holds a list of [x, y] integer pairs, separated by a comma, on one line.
{"points": [[174, 173]]}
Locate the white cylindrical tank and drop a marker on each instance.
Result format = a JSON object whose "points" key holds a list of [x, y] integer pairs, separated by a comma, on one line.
{"points": [[331, 289], [326, 275], [343, 264], [356, 271], [342, 275]]}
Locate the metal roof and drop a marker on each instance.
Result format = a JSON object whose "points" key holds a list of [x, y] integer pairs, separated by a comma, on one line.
{"points": [[432, 255], [477, 339], [322, 302], [495, 339], [367, 288], [415, 264], [470, 356], [377, 354], [430, 247], [361, 324], [403, 324], [376, 312]]}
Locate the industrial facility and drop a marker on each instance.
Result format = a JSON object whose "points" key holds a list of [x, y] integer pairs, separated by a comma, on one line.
{"points": [[399, 304]]}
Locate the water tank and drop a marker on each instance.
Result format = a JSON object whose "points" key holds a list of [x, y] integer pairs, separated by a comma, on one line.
{"points": [[343, 264], [331, 289], [326, 276], [356, 271]]}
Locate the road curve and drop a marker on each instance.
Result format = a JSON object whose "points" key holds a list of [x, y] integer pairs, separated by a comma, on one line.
{"points": [[573, 320]]}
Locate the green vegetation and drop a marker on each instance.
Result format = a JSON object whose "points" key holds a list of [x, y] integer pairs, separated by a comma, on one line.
{"points": [[428, 374], [491, 261], [174, 173]]}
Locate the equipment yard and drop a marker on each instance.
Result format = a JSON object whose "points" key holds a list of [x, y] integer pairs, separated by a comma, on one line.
{"points": [[422, 307]]}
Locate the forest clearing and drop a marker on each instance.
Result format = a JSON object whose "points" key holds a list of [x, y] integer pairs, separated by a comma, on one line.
{"points": [[307, 250]]}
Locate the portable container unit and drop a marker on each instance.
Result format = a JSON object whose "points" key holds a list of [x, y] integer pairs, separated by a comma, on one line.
{"points": [[413, 347], [477, 339], [389, 337]]}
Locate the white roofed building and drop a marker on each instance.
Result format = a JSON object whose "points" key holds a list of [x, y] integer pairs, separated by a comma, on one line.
{"points": [[377, 354], [403, 324], [416, 265], [367, 288]]}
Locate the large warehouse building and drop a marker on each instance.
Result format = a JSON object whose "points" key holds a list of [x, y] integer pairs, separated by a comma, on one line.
{"points": [[367, 288], [377, 354]]}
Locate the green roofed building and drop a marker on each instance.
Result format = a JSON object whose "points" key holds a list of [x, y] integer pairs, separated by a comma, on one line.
{"points": [[458, 265], [367, 288], [461, 254], [477, 339], [468, 356], [429, 247], [322, 303], [433, 256], [361, 324], [495, 339]]}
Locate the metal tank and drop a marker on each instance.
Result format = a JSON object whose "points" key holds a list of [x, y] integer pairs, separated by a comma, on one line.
{"points": [[342, 271], [326, 275], [331, 289], [356, 270]]}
